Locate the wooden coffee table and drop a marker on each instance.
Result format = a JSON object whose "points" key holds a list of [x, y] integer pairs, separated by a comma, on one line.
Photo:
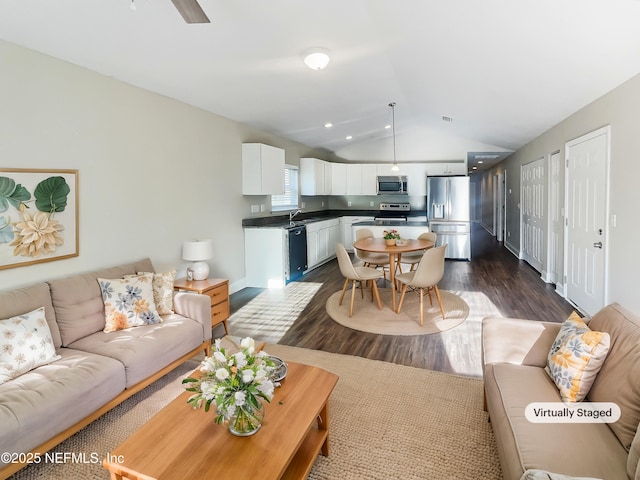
{"points": [[182, 443]]}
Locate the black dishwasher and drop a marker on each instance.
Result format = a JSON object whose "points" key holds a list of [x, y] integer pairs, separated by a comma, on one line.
{"points": [[297, 252]]}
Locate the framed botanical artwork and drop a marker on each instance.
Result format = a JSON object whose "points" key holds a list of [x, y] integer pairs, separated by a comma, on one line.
{"points": [[38, 216]]}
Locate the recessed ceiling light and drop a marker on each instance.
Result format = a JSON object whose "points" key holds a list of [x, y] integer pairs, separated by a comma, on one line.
{"points": [[475, 168], [480, 161], [387, 126], [328, 125], [316, 58], [348, 137]]}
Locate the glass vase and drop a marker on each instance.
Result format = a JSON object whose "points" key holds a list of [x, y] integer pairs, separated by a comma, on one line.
{"points": [[247, 420]]}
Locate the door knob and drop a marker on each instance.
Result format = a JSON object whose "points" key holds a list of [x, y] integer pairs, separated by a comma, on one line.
{"points": [[598, 244]]}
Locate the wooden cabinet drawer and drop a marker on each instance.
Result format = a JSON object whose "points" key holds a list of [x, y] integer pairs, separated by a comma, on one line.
{"points": [[219, 312], [219, 294]]}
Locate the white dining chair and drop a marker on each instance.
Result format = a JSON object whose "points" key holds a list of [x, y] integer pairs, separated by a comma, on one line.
{"points": [[413, 258], [356, 274], [425, 278], [377, 260]]}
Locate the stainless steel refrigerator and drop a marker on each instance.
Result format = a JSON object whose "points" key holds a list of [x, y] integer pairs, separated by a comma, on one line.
{"points": [[448, 214]]}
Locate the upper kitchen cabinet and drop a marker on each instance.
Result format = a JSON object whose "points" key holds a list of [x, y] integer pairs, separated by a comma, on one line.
{"points": [[262, 169], [315, 177], [416, 178], [446, 168], [361, 179], [338, 178], [384, 169]]}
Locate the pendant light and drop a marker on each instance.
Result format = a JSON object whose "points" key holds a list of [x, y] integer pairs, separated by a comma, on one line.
{"points": [[394, 167]]}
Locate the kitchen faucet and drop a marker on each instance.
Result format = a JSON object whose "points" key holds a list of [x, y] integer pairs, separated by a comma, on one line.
{"points": [[293, 214]]}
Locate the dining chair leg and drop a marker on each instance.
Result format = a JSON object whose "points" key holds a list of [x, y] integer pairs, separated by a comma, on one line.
{"points": [[404, 290], [353, 296], [435, 287], [421, 307], [374, 291], [362, 287], [344, 289], [430, 299]]}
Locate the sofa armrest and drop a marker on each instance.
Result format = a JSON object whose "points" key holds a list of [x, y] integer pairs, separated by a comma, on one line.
{"points": [[517, 341], [195, 306]]}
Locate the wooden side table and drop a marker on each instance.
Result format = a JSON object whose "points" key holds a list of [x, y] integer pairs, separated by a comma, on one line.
{"points": [[218, 290]]}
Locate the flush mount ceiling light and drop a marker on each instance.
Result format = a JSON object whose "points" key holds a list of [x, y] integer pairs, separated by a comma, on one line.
{"points": [[394, 167], [316, 58]]}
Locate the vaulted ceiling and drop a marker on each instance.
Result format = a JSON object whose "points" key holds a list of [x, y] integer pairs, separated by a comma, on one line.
{"points": [[502, 71]]}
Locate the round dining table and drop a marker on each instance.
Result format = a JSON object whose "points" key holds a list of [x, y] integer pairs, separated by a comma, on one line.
{"points": [[378, 245]]}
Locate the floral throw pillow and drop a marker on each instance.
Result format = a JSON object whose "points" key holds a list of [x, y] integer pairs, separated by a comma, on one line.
{"points": [[575, 358], [163, 291], [128, 302], [25, 343]]}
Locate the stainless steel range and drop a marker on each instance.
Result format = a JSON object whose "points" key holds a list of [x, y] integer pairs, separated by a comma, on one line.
{"points": [[394, 211]]}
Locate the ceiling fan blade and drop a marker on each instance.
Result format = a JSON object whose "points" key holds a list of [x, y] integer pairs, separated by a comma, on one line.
{"points": [[191, 11]]}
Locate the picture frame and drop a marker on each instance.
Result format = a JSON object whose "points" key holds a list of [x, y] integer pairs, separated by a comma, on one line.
{"points": [[38, 216]]}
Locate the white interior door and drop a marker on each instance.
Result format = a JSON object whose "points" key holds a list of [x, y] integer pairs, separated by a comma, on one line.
{"points": [[533, 215], [587, 180], [556, 225]]}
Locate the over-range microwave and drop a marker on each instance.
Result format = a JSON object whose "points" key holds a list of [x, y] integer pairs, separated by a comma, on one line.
{"points": [[392, 185]]}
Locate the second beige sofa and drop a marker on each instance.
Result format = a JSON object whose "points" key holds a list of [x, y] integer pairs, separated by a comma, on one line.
{"points": [[514, 356]]}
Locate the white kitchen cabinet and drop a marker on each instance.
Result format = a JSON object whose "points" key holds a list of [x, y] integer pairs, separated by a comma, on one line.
{"points": [[416, 178], [262, 169], [338, 178], [354, 178], [315, 177], [369, 179], [405, 231], [265, 254], [446, 168], [321, 241], [361, 179], [385, 169], [346, 233]]}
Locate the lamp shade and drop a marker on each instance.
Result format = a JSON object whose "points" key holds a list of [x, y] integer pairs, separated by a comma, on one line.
{"points": [[197, 250]]}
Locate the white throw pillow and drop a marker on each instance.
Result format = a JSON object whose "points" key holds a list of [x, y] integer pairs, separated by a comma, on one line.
{"points": [[128, 302], [25, 343]]}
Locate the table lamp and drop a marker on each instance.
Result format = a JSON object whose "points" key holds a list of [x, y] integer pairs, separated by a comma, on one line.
{"points": [[198, 251]]}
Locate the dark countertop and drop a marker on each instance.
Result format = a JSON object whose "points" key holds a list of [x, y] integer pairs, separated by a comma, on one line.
{"points": [[281, 221], [391, 223]]}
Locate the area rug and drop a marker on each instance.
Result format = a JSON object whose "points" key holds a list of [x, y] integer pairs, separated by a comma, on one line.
{"points": [[387, 421], [368, 318], [268, 316]]}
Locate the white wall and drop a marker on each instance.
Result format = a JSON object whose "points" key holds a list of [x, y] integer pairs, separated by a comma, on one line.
{"points": [[620, 108], [153, 172]]}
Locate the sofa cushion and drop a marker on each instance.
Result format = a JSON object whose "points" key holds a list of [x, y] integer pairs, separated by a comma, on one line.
{"points": [[576, 449], [78, 302], [128, 302], [145, 350], [43, 402], [20, 300], [619, 377], [25, 343], [575, 358]]}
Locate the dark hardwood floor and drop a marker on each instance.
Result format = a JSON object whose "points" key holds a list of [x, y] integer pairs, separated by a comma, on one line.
{"points": [[512, 285]]}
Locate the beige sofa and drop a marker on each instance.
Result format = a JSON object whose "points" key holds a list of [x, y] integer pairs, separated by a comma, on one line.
{"points": [[97, 370], [514, 356]]}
